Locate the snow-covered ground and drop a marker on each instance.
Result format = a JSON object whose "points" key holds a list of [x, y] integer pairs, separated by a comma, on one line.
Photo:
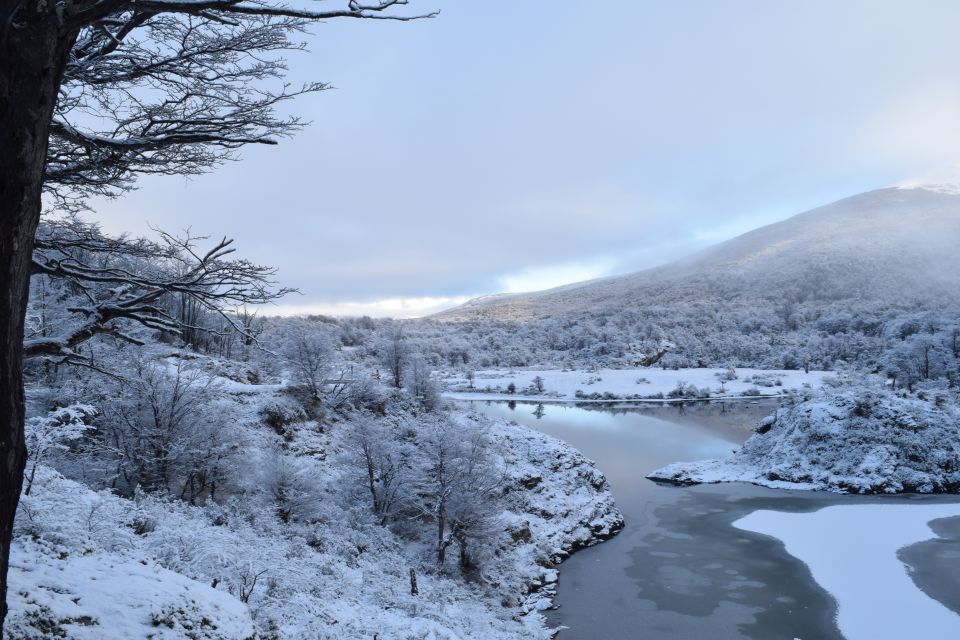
{"points": [[89, 564], [652, 383], [851, 551], [108, 596], [564, 504], [859, 439]]}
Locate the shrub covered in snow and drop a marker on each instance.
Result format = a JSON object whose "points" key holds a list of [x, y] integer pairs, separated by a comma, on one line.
{"points": [[291, 552], [858, 438]]}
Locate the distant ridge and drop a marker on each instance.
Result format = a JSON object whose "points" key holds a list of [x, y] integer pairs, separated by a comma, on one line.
{"points": [[896, 245]]}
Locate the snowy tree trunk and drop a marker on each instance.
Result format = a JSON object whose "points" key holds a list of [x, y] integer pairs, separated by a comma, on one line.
{"points": [[33, 53]]}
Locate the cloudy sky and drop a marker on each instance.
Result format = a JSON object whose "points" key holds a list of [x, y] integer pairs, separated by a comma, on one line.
{"points": [[517, 145]]}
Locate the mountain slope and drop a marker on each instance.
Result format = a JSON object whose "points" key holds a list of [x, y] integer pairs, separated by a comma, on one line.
{"points": [[889, 245]]}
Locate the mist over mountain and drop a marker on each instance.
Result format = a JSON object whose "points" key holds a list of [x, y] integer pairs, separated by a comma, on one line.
{"points": [[893, 245]]}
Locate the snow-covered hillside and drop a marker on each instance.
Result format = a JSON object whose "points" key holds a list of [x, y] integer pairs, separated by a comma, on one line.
{"points": [[649, 383], [884, 244], [91, 565], [96, 595], [214, 474], [855, 439]]}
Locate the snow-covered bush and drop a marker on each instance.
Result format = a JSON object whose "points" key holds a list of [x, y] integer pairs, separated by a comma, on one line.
{"points": [[727, 376], [46, 435], [279, 415]]}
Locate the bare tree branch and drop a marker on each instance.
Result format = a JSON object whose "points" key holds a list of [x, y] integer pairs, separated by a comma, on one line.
{"points": [[176, 87], [120, 280]]}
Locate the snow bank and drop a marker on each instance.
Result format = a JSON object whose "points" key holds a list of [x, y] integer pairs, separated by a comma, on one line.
{"points": [[848, 439], [630, 384], [104, 596], [876, 598], [559, 503]]}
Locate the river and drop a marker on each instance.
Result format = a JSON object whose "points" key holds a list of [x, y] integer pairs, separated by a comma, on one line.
{"points": [[679, 569]]}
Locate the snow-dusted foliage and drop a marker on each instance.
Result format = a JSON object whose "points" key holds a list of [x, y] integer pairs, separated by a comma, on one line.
{"points": [[850, 438], [53, 433], [308, 560], [233, 501]]}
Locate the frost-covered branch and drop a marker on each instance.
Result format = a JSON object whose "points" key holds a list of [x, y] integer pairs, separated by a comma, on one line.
{"points": [[176, 87], [114, 284]]}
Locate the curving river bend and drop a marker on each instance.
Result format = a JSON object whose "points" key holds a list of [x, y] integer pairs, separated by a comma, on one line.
{"points": [[679, 569]]}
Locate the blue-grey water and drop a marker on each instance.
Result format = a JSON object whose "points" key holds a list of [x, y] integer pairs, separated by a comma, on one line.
{"points": [[679, 569]]}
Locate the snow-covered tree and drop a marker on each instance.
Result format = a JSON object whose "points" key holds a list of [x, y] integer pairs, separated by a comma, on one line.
{"points": [[420, 383], [310, 354], [177, 87], [163, 431], [383, 462], [54, 432], [459, 485], [395, 355], [118, 286]]}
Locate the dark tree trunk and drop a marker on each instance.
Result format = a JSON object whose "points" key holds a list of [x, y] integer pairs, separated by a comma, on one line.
{"points": [[466, 564], [413, 583], [33, 53], [442, 542]]}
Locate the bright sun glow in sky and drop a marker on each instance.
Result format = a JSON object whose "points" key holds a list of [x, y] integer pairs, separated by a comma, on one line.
{"points": [[509, 146]]}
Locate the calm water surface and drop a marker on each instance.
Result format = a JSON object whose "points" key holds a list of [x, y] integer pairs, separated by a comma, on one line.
{"points": [[679, 569]]}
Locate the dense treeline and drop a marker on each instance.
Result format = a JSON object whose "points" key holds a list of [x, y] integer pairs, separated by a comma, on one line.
{"points": [[909, 345]]}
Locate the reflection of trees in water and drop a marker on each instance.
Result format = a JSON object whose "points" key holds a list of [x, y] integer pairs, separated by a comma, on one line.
{"points": [[710, 412], [733, 414]]}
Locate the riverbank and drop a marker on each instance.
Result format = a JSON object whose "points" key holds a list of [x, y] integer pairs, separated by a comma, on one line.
{"points": [[559, 503], [634, 385]]}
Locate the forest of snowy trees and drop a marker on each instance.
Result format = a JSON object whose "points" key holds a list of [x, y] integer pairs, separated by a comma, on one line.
{"points": [[165, 423], [909, 346]]}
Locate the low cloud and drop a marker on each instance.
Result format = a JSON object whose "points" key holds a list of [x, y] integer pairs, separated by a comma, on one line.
{"points": [[386, 308]]}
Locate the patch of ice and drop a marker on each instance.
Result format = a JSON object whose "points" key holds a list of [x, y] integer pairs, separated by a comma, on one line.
{"points": [[851, 551]]}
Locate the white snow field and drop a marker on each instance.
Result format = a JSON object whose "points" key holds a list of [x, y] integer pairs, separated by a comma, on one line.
{"points": [[651, 384], [851, 551], [103, 596]]}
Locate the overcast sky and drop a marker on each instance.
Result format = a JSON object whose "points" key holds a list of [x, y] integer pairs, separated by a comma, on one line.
{"points": [[513, 145]]}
